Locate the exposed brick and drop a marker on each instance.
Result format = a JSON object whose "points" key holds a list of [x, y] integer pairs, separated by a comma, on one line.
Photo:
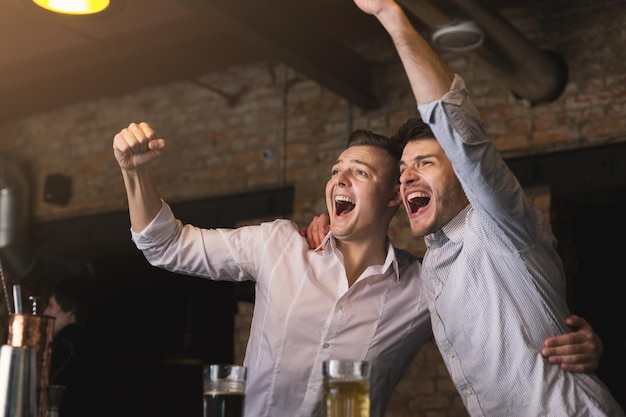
{"points": [[216, 139]]}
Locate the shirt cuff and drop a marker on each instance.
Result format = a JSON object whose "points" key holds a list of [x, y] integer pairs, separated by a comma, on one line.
{"points": [[157, 227], [455, 96]]}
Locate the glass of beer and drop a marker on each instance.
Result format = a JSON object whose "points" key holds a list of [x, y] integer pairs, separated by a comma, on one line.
{"points": [[224, 387], [346, 388]]}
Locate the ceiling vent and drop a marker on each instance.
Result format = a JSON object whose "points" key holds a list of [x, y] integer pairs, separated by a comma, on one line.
{"points": [[458, 37]]}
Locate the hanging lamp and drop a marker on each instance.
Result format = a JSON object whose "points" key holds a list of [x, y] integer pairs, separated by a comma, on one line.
{"points": [[76, 7]]}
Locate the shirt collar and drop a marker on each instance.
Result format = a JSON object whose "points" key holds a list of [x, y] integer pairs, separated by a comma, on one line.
{"points": [[453, 230], [390, 260]]}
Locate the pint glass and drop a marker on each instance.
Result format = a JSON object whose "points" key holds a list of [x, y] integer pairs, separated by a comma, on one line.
{"points": [[346, 388], [224, 390]]}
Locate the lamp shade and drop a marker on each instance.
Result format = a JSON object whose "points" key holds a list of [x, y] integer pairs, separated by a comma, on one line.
{"points": [[73, 6]]}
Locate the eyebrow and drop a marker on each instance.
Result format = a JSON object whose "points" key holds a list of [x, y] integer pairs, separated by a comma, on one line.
{"points": [[353, 161], [419, 158]]}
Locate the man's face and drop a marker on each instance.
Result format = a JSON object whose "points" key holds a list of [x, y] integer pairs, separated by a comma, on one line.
{"points": [[430, 190], [61, 318], [362, 193]]}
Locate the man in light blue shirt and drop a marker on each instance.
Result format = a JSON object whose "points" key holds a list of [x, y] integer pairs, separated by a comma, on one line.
{"points": [[496, 285]]}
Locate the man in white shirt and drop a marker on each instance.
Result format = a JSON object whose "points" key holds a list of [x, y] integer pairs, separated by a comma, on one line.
{"points": [[358, 298]]}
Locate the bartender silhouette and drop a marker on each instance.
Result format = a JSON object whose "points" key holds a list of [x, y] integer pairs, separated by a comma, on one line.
{"points": [[67, 302]]}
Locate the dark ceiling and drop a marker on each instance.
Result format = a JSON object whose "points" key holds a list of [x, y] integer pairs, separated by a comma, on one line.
{"points": [[49, 60]]}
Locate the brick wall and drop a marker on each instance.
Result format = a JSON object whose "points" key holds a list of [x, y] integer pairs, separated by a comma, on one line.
{"points": [[216, 148]]}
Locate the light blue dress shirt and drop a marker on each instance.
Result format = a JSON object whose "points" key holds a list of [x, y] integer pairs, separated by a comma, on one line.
{"points": [[304, 311], [498, 286]]}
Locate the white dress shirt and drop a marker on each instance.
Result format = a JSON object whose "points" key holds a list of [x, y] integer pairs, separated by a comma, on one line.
{"points": [[498, 285], [304, 311]]}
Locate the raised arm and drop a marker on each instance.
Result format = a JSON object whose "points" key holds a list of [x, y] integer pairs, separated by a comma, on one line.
{"points": [[429, 76], [135, 147]]}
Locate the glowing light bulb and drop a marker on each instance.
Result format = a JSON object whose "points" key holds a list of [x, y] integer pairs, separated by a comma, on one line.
{"points": [[73, 6]]}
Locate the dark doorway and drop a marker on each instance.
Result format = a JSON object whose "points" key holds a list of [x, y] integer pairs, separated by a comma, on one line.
{"points": [[593, 247], [151, 332]]}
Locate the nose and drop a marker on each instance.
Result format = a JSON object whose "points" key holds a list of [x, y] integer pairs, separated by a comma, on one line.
{"points": [[408, 176], [341, 179]]}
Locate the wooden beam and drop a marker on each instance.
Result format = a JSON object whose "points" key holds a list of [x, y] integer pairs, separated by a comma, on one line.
{"points": [[292, 38]]}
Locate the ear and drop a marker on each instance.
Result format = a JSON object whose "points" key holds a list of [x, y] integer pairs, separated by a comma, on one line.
{"points": [[396, 198]]}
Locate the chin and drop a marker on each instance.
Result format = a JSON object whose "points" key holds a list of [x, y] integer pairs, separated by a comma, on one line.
{"points": [[419, 230]]}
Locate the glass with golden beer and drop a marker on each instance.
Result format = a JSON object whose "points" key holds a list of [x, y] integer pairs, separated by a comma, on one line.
{"points": [[346, 388]]}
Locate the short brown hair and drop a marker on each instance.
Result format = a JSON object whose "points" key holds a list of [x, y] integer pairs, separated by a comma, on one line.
{"points": [[412, 129], [362, 137]]}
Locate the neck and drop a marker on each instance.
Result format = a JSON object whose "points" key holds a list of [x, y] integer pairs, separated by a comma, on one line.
{"points": [[358, 256]]}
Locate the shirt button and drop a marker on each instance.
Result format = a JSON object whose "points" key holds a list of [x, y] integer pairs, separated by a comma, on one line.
{"points": [[437, 319], [325, 345], [313, 387], [468, 393], [437, 283], [339, 307], [452, 355]]}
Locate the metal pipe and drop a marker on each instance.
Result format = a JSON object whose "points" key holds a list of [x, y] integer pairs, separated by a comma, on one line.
{"points": [[15, 248], [533, 75]]}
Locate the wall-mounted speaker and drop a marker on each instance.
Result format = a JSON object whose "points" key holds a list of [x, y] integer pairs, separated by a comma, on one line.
{"points": [[57, 189]]}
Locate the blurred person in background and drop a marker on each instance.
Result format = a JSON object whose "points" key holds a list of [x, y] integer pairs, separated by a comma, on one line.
{"points": [[68, 300]]}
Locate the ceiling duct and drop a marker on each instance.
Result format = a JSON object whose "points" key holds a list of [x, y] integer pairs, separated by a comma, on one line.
{"points": [[16, 253], [533, 75], [22, 261]]}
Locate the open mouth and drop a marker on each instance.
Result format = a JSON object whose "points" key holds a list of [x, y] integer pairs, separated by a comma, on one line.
{"points": [[343, 205], [417, 200]]}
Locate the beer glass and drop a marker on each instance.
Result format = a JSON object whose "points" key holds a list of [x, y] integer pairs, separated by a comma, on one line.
{"points": [[346, 388], [224, 388]]}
